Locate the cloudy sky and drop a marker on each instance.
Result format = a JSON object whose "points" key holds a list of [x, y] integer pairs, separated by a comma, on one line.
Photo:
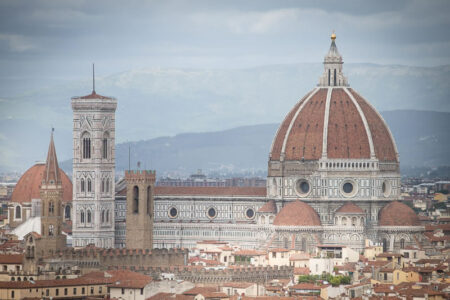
{"points": [[203, 49], [46, 42]]}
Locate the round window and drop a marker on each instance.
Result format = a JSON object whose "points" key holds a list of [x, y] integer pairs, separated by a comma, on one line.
{"points": [[347, 187], [250, 213], [212, 213], [303, 187], [173, 212]]}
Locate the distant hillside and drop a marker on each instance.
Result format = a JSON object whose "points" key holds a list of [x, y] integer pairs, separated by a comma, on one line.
{"points": [[423, 140], [167, 101]]}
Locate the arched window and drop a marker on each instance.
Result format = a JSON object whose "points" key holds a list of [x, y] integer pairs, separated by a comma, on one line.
{"points": [[385, 245], [82, 185], [103, 216], [51, 208], [303, 244], [329, 76], [105, 145], [107, 185], [334, 77], [89, 216], [135, 200], [344, 221], [82, 217], [51, 230], [103, 185], [402, 244], [107, 216], [18, 212], [149, 202], [67, 212], [286, 243], [89, 185], [86, 146], [354, 221]]}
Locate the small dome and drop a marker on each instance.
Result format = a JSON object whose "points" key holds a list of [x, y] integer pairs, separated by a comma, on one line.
{"points": [[28, 186], [397, 214], [350, 208], [269, 207], [297, 214]]}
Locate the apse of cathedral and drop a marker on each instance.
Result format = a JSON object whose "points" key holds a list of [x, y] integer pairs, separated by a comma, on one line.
{"points": [[333, 179]]}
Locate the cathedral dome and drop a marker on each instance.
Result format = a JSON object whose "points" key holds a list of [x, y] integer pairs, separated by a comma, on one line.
{"points": [[297, 213], [28, 186], [397, 214], [334, 123]]}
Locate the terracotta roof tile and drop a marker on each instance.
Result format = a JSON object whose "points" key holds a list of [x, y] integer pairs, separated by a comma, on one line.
{"points": [[397, 214], [210, 191], [15, 259], [350, 207], [28, 186], [297, 214], [269, 207]]}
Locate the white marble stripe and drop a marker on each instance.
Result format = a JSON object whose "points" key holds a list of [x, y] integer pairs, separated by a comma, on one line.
{"points": [[366, 125], [385, 125], [283, 149], [325, 124]]}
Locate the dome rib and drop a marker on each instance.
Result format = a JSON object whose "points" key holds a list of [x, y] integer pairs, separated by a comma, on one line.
{"points": [[277, 143], [334, 123], [383, 140], [297, 213]]}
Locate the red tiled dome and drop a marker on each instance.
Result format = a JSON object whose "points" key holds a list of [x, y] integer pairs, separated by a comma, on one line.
{"points": [[297, 214], [28, 186], [397, 214], [351, 208], [301, 134]]}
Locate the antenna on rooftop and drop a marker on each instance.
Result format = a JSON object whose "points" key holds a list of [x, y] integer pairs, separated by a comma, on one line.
{"points": [[93, 78]]}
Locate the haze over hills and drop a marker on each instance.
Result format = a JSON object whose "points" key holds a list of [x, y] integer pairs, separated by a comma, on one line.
{"points": [[165, 102], [423, 140]]}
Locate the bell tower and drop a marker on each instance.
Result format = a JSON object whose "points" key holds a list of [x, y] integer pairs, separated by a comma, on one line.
{"points": [[51, 204], [140, 208], [93, 170]]}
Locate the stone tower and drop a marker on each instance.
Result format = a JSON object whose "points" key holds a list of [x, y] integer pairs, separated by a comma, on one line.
{"points": [[51, 204], [140, 207], [93, 170]]}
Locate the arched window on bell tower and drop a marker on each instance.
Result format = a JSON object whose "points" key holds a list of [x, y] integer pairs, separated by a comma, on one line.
{"points": [[105, 145], [135, 200], [149, 199], [86, 146], [51, 208]]}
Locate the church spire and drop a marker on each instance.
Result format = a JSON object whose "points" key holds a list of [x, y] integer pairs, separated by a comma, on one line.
{"points": [[51, 174], [332, 63]]}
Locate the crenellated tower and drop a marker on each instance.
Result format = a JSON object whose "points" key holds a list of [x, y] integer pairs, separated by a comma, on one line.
{"points": [[51, 204], [93, 170], [140, 208]]}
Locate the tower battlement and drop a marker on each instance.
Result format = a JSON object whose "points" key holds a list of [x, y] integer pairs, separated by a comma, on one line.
{"points": [[140, 175]]}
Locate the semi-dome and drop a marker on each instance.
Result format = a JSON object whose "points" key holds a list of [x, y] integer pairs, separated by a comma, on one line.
{"points": [[397, 214], [28, 186], [349, 208], [269, 207], [297, 213], [333, 122]]}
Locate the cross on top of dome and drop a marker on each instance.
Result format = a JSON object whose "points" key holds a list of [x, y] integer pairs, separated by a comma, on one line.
{"points": [[333, 75]]}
